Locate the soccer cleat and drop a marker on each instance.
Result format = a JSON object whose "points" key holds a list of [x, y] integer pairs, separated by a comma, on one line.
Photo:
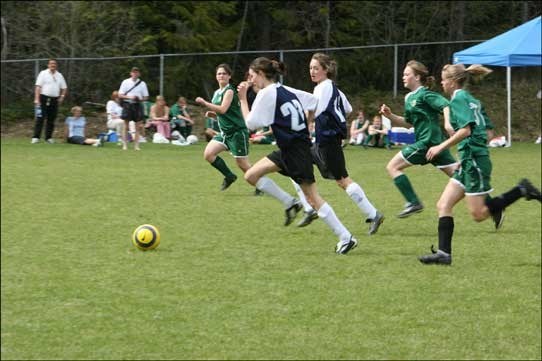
{"points": [[307, 219], [529, 191], [344, 248], [498, 218], [50, 141], [410, 209], [35, 140], [258, 192], [227, 182], [292, 212], [436, 257], [375, 222]]}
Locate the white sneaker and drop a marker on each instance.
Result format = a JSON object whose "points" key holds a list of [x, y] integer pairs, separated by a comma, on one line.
{"points": [[178, 142], [538, 140], [51, 141], [35, 140], [142, 140]]}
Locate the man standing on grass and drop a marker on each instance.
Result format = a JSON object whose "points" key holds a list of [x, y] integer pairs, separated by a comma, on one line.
{"points": [[50, 92]]}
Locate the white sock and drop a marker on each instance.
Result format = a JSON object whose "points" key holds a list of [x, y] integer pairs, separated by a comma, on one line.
{"points": [[306, 206], [266, 185], [327, 214], [358, 196]]}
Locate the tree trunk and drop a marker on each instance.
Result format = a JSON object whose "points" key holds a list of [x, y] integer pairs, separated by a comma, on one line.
{"points": [[240, 36], [328, 24], [4, 40]]}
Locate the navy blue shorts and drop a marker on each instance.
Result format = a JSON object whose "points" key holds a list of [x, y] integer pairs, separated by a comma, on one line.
{"points": [[77, 140], [295, 161], [329, 158]]}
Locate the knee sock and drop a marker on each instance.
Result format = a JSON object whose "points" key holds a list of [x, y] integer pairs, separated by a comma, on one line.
{"points": [[404, 186], [266, 185], [306, 206], [504, 200], [222, 167], [327, 214], [445, 233], [357, 194]]}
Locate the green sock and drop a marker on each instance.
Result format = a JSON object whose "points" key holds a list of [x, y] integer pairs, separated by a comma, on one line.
{"points": [[222, 167], [406, 189]]}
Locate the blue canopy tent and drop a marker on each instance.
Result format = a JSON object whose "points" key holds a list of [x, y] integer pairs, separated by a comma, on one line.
{"points": [[520, 46]]}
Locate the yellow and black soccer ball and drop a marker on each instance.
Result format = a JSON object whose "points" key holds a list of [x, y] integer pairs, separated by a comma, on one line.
{"points": [[146, 237]]}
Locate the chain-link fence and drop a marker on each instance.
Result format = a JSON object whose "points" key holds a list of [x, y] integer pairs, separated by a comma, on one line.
{"points": [[362, 69], [93, 79]]}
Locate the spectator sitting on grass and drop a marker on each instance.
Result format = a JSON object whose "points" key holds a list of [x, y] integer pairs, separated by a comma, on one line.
{"points": [[378, 134], [358, 129], [159, 117], [180, 118], [74, 129]]}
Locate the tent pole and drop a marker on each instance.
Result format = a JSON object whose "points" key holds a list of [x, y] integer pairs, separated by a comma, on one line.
{"points": [[509, 103]]}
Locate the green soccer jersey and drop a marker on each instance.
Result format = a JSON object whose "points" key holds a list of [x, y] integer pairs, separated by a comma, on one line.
{"points": [[232, 120], [422, 109], [467, 111], [177, 110]]}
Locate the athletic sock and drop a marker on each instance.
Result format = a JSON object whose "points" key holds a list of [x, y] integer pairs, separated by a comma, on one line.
{"points": [[267, 185], [445, 233], [327, 214], [306, 206], [222, 167], [357, 194], [504, 200], [404, 186]]}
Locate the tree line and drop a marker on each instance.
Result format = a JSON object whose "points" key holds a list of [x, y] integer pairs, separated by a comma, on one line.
{"points": [[70, 29]]}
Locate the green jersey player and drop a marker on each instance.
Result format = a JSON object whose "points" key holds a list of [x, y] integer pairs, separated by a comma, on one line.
{"points": [[233, 134], [472, 178], [422, 111]]}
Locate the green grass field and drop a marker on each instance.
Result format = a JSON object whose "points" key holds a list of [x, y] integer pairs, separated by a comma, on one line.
{"points": [[229, 281]]}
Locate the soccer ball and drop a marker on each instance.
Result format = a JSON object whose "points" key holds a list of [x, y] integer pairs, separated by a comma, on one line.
{"points": [[146, 237], [192, 139]]}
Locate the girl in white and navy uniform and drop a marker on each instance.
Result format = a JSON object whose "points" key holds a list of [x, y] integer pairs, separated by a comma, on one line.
{"points": [[283, 108], [330, 120]]}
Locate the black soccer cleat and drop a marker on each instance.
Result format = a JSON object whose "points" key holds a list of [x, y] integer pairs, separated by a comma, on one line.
{"points": [[258, 192], [375, 222], [436, 257], [307, 219], [227, 182], [292, 212], [498, 218], [529, 191], [410, 209], [344, 248]]}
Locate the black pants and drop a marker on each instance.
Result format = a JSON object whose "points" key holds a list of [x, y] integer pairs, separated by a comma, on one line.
{"points": [[49, 109]]}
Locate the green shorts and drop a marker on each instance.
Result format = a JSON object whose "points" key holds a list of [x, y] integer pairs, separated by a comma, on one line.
{"points": [[415, 154], [474, 175], [237, 142]]}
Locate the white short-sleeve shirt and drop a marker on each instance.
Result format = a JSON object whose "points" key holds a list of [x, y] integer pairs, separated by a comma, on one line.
{"points": [[51, 83], [140, 91], [324, 92], [114, 110]]}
